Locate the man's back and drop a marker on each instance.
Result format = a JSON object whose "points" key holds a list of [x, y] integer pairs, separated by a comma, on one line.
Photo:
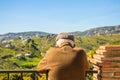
{"points": [[65, 63]]}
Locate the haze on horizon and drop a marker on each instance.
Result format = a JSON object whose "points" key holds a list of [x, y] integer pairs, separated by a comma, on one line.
{"points": [[54, 16]]}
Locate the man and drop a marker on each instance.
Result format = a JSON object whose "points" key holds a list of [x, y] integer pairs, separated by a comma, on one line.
{"points": [[65, 61]]}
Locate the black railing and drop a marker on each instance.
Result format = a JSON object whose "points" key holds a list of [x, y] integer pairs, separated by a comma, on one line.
{"points": [[35, 73]]}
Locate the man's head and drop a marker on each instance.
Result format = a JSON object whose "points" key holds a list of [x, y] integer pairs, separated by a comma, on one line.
{"points": [[65, 38], [65, 35]]}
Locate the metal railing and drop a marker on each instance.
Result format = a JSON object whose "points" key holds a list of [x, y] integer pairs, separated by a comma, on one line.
{"points": [[35, 73]]}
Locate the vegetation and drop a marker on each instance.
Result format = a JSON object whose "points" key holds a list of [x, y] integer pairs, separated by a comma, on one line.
{"points": [[26, 53]]}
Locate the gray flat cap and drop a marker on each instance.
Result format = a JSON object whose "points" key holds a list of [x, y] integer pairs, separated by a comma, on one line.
{"points": [[65, 35]]}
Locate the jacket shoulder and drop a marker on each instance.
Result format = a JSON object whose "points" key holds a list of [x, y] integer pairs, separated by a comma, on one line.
{"points": [[53, 49], [78, 49]]}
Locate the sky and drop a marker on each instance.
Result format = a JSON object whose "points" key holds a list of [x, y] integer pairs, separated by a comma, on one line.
{"points": [[55, 16]]}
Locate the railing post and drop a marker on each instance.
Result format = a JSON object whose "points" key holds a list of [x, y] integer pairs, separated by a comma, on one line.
{"points": [[47, 75], [21, 76], [8, 75], [35, 77]]}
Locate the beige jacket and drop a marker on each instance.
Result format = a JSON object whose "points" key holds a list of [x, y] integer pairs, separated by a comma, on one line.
{"points": [[64, 63]]}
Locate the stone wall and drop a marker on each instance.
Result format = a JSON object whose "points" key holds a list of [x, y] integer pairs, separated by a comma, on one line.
{"points": [[107, 62]]}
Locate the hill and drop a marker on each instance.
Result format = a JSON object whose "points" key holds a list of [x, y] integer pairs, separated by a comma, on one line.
{"points": [[99, 31], [90, 32], [26, 53], [10, 36]]}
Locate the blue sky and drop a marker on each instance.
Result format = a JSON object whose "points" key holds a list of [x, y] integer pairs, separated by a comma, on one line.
{"points": [[56, 16]]}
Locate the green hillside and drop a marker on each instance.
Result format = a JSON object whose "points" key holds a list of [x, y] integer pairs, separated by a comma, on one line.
{"points": [[93, 42], [26, 53]]}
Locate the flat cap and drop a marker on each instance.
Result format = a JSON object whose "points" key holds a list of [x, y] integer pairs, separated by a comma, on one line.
{"points": [[65, 35]]}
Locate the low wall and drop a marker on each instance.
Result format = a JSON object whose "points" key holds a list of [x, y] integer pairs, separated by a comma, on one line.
{"points": [[107, 62]]}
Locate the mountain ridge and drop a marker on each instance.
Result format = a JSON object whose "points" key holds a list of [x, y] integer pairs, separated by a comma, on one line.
{"points": [[90, 32], [9, 36], [99, 31]]}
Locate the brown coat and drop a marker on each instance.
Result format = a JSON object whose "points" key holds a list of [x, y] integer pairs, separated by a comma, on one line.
{"points": [[64, 63]]}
